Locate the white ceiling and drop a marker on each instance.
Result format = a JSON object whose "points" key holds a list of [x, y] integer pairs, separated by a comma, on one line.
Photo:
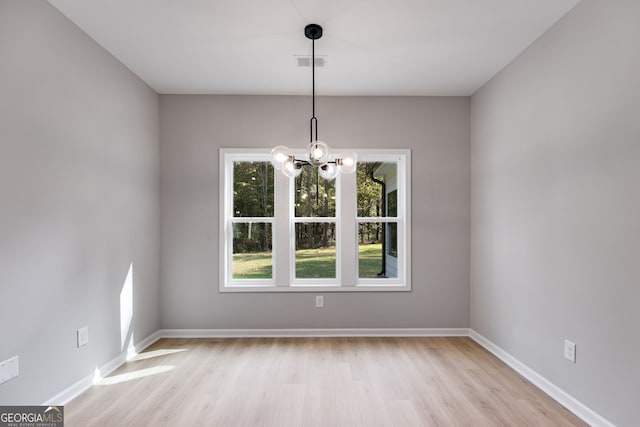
{"points": [[374, 47]]}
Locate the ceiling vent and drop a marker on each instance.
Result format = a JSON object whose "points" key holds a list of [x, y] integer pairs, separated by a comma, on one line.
{"points": [[305, 61]]}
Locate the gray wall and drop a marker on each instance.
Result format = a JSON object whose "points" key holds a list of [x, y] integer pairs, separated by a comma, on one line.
{"points": [[78, 200], [193, 128], [556, 207]]}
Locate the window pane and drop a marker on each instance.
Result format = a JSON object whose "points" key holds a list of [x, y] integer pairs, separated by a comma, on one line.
{"points": [[315, 250], [252, 251], [314, 195], [392, 239], [392, 203], [373, 261], [252, 189], [375, 180]]}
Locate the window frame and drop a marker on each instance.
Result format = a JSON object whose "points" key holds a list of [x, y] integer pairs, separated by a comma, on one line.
{"points": [[283, 229], [402, 220]]}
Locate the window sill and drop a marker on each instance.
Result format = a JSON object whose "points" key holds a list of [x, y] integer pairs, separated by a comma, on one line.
{"points": [[311, 288]]}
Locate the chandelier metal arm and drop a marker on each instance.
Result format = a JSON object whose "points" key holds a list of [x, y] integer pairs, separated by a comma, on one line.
{"points": [[303, 162]]}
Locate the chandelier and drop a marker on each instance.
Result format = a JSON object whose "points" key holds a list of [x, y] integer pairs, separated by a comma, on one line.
{"points": [[317, 154]]}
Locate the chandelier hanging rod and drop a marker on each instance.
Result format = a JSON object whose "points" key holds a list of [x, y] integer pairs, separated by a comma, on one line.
{"points": [[313, 32]]}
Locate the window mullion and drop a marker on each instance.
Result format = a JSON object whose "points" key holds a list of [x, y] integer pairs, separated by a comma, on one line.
{"points": [[348, 230], [281, 231]]}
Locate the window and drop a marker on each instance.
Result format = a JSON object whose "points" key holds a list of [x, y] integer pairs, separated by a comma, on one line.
{"points": [[310, 234], [314, 228], [251, 220], [377, 217]]}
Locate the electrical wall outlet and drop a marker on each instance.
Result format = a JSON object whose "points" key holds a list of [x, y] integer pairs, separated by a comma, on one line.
{"points": [[9, 369], [83, 336], [319, 301], [570, 351]]}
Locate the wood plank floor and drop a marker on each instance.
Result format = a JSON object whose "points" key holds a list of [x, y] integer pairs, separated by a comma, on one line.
{"points": [[316, 382]]}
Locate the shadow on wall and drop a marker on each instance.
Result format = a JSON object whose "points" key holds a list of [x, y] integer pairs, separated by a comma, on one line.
{"points": [[127, 341], [126, 321]]}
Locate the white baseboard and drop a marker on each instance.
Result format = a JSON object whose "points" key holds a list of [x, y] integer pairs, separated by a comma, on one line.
{"points": [[578, 408], [299, 333], [85, 383], [70, 392], [147, 341]]}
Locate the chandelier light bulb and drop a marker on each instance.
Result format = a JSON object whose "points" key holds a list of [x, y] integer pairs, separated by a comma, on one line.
{"points": [[291, 168], [318, 153], [279, 156], [328, 171], [348, 162]]}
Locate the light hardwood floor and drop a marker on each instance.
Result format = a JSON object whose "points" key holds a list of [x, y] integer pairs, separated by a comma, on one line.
{"points": [[316, 382]]}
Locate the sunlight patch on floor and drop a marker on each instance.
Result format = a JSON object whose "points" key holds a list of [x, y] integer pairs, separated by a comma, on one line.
{"points": [[129, 376], [155, 353]]}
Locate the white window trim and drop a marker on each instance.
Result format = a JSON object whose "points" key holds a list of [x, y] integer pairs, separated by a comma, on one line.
{"points": [[283, 226]]}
